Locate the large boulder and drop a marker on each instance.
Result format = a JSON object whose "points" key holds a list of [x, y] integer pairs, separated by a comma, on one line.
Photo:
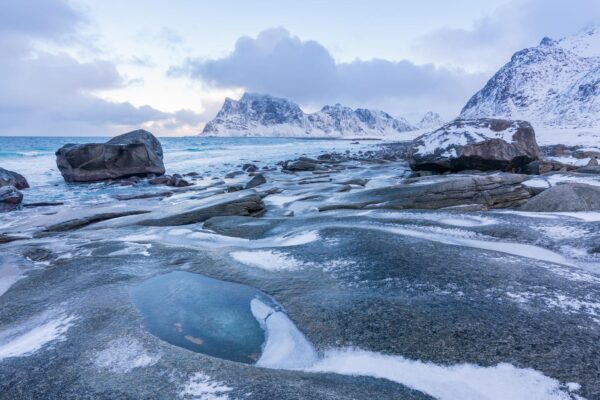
{"points": [[436, 192], [136, 153], [481, 144], [10, 198], [566, 197], [10, 178]]}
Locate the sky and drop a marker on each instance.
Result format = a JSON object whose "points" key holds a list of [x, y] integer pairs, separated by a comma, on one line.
{"points": [[88, 67]]}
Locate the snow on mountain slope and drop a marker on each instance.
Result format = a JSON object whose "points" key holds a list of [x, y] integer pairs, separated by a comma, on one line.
{"points": [[555, 85], [264, 115], [430, 120]]}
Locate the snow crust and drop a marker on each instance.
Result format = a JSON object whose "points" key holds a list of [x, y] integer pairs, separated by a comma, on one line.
{"points": [[268, 259], [31, 336], [124, 355], [202, 387]]}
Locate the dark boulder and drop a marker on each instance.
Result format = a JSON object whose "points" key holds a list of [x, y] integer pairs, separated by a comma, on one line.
{"points": [[540, 167], [566, 197], [136, 153], [481, 144], [257, 180], [10, 178], [10, 198], [301, 165]]}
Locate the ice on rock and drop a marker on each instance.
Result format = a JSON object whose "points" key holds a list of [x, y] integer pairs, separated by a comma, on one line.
{"points": [[286, 347]]}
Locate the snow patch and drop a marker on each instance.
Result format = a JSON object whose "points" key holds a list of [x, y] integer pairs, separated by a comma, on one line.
{"points": [[268, 259], [286, 347], [458, 382], [201, 387], [26, 339], [123, 355]]}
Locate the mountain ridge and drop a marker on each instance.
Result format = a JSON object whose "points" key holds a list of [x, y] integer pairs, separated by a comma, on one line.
{"points": [[257, 114]]}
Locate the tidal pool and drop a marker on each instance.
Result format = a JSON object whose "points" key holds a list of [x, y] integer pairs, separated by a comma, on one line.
{"points": [[203, 315]]}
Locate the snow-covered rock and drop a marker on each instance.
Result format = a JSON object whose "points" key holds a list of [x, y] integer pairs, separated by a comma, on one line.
{"points": [[430, 120], [264, 115], [483, 144], [554, 85]]}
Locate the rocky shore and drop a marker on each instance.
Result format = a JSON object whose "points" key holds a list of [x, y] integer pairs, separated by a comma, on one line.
{"points": [[480, 261]]}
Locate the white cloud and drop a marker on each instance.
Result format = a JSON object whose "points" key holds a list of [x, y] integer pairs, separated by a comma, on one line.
{"points": [[491, 41], [44, 93], [278, 63]]}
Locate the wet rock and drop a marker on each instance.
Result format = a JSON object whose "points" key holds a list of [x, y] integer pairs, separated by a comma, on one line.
{"points": [[302, 165], [356, 181], [88, 220], [234, 174], [257, 180], [38, 254], [487, 191], [10, 198], [175, 180], [143, 195], [235, 188], [43, 204], [249, 167], [246, 203], [10, 238], [566, 197], [589, 170], [136, 153], [540, 167], [10, 178], [482, 144]]}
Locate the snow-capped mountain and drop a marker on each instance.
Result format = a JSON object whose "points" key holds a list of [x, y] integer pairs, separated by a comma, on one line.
{"points": [[264, 115], [430, 120], [554, 85]]}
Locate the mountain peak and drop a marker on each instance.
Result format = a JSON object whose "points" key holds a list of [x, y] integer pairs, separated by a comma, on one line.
{"points": [[264, 115], [555, 84]]}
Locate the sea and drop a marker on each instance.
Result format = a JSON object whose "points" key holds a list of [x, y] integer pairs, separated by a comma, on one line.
{"points": [[34, 158]]}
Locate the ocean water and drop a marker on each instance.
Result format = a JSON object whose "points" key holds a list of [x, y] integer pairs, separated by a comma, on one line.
{"points": [[33, 157]]}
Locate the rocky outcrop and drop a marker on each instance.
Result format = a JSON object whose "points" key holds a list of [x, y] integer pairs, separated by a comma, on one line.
{"points": [[435, 192], [566, 197], [10, 198], [479, 144], [136, 153], [10, 178]]}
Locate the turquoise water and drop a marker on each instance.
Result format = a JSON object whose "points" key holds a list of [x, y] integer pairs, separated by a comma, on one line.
{"points": [[34, 158], [202, 314]]}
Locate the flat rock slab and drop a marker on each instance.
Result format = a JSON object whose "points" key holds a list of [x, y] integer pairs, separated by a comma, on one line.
{"points": [[489, 191], [242, 203]]}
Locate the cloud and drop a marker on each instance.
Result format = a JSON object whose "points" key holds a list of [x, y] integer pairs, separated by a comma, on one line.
{"points": [[43, 93], [278, 63], [514, 26]]}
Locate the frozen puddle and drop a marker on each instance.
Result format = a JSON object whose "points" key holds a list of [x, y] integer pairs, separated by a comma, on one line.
{"points": [[202, 314], [239, 323], [29, 337]]}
